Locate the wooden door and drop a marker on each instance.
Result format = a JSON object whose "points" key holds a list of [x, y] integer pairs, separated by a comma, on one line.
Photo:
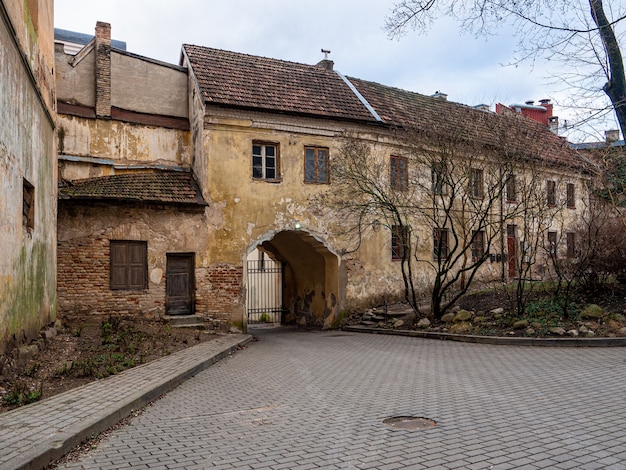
{"points": [[179, 284]]}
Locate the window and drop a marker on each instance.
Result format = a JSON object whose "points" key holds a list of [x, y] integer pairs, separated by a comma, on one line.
{"points": [[571, 196], [478, 245], [399, 176], [399, 241], [551, 193], [552, 244], [315, 165], [476, 183], [129, 265], [28, 205], [571, 245], [264, 161], [437, 180], [511, 189], [440, 244]]}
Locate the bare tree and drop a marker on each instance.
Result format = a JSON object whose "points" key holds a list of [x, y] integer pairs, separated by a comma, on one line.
{"points": [[440, 199], [579, 33]]}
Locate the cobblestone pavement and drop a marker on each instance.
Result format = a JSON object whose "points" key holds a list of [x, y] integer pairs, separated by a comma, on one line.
{"points": [[308, 400]]}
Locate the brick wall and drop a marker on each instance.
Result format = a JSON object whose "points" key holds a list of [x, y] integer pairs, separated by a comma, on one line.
{"points": [[83, 285], [218, 290]]}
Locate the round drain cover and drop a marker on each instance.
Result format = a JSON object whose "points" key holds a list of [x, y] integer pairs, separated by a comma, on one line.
{"points": [[409, 422]]}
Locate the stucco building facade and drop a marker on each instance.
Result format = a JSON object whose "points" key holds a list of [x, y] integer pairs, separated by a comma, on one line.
{"points": [[28, 166], [195, 188]]}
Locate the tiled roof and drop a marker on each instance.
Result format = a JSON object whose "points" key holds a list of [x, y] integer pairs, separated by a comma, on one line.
{"points": [[163, 187], [242, 80], [437, 116]]}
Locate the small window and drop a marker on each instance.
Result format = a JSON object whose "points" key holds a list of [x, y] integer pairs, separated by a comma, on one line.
{"points": [[437, 179], [571, 196], [552, 244], [551, 193], [440, 244], [399, 176], [28, 205], [571, 245], [129, 265], [265, 161], [316, 165], [399, 241], [478, 246], [511, 189], [476, 183]]}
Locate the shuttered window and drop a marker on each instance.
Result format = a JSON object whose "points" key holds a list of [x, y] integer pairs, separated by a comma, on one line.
{"points": [[129, 265]]}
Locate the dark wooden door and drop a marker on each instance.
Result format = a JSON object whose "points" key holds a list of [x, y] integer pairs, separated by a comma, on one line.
{"points": [[179, 284]]}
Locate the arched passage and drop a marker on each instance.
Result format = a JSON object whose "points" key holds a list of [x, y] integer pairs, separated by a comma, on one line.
{"points": [[310, 288]]}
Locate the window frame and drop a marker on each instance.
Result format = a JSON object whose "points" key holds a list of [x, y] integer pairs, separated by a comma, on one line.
{"points": [[441, 246], [477, 183], [571, 196], [28, 205], [130, 266], [316, 150], [263, 155], [571, 244], [438, 185], [399, 173], [399, 241], [552, 238], [478, 245], [511, 188], [551, 193]]}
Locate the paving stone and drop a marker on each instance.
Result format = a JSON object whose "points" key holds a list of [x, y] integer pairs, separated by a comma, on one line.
{"points": [[317, 400]]}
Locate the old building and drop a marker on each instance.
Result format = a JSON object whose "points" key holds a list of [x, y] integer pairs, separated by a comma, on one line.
{"points": [[28, 182], [132, 219], [195, 188]]}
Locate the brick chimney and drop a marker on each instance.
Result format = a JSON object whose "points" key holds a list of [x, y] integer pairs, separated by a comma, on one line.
{"points": [[326, 64], [103, 69]]}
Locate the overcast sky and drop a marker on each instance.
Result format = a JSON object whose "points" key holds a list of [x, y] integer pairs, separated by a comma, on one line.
{"points": [[470, 70]]}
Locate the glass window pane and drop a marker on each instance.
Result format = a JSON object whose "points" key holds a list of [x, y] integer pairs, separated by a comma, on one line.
{"points": [[270, 150], [256, 150], [270, 173]]}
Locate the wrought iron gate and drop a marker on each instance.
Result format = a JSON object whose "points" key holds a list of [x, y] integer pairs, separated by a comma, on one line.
{"points": [[264, 291]]}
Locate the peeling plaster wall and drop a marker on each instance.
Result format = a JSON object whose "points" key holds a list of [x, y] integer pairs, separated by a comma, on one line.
{"points": [[123, 143], [247, 211], [27, 151]]}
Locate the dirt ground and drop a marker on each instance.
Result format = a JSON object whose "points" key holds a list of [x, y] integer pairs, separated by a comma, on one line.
{"points": [[86, 349]]}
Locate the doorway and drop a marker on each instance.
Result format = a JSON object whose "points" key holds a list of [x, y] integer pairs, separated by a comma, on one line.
{"points": [[179, 284]]}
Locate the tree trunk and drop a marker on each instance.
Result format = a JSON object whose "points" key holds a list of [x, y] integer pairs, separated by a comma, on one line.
{"points": [[615, 87]]}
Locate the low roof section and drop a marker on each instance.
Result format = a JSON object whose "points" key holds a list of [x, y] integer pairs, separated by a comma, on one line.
{"points": [[258, 83], [167, 187]]}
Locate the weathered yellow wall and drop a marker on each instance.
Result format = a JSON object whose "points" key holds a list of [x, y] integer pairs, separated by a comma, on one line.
{"points": [[247, 210], [124, 143], [27, 151]]}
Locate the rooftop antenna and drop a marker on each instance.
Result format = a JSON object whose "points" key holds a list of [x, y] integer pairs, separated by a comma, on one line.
{"points": [[326, 52]]}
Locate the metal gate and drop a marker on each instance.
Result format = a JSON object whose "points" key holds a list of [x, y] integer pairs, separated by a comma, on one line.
{"points": [[264, 291]]}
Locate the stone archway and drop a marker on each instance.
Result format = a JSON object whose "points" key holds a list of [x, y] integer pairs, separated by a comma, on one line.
{"points": [[312, 291]]}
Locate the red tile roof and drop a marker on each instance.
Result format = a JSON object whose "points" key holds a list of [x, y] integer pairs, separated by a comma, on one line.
{"points": [[162, 187], [245, 81]]}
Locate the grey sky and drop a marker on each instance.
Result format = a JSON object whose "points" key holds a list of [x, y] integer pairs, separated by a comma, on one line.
{"points": [[468, 69]]}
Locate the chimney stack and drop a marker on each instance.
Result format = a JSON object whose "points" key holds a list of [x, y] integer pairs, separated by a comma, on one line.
{"points": [[612, 135], [103, 69]]}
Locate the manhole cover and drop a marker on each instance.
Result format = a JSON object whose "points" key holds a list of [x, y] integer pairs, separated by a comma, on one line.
{"points": [[409, 422]]}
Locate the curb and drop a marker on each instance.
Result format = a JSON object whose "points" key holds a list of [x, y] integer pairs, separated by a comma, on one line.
{"points": [[497, 340], [61, 442]]}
